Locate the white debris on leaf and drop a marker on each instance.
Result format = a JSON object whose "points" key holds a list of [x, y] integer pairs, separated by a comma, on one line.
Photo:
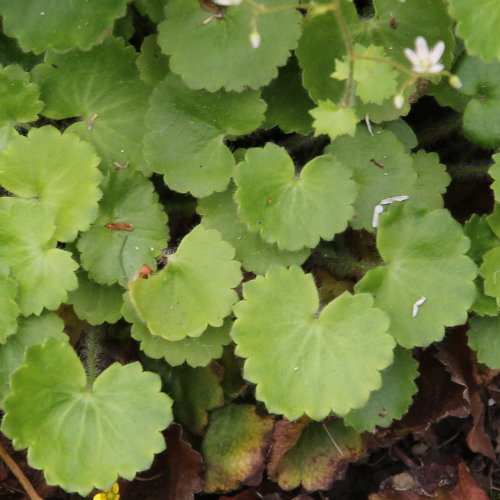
{"points": [[399, 101], [424, 60], [380, 207], [226, 3], [417, 305]]}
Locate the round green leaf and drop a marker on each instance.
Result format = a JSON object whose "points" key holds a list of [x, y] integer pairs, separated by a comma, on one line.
{"points": [[115, 255], [57, 170], [195, 392], [427, 282], [477, 25], [9, 310], [221, 212], [303, 360], [42, 272], [193, 291], [59, 25], [320, 45], [186, 132], [231, 61], [393, 399], [432, 179], [19, 98], [481, 81], [287, 101], [375, 81], [481, 236], [490, 271], [84, 437], [332, 120], [381, 169], [152, 64], [195, 351], [31, 330], [102, 87], [484, 338], [96, 303], [293, 210], [494, 171]]}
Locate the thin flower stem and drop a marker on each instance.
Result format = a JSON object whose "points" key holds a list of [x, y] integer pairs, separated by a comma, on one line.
{"points": [[91, 341], [18, 473], [346, 35], [395, 64], [337, 447], [305, 6]]}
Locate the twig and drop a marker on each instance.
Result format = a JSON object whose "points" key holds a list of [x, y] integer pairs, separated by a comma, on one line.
{"points": [[18, 473]]}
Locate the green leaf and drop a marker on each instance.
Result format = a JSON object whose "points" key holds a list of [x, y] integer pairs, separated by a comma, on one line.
{"points": [[481, 81], [493, 220], [220, 212], [11, 53], [477, 25], [427, 281], [151, 8], [102, 87], [392, 400], [57, 170], [48, 24], [481, 236], [316, 455], [403, 132], [291, 347], [195, 351], [334, 121], [484, 338], [375, 81], [293, 210], [96, 303], [84, 437], [320, 45], [287, 101], [195, 392], [193, 291], [9, 310], [381, 169], [19, 97], [31, 330], [43, 273], [235, 447], [152, 64], [186, 132], [231, 61], [115, 255], [490, 271], [494, 171], [432, 179]]}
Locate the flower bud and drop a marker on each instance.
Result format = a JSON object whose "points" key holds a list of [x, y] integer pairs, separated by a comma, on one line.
{"points": [[455, 82], [255, 39], [398, 101]]}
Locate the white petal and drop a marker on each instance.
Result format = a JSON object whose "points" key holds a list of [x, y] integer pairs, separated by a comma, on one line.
{"points": [[437, 52], [435, 68], [422, 48], [227, 2], [412, 57]]}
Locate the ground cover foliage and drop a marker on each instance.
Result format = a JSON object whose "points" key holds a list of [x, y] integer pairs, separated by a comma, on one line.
{"points": [[250, 249]]}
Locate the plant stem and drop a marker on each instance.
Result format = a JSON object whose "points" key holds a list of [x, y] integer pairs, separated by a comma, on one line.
{"points": [[91, 342], [18, 473]]}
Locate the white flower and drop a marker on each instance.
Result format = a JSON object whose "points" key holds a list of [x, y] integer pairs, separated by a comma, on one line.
{"points": [[423, 59], [227, 2]]}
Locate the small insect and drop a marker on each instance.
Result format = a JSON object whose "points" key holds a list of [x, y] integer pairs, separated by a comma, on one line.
{"points": [[382, 413], [270, 201], [124, 226], [379, 165], [143, 272], [392, 21], [217, 11]]}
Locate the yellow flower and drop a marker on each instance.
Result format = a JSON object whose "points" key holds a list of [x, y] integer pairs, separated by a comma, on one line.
{"points": [[112, 494]]}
